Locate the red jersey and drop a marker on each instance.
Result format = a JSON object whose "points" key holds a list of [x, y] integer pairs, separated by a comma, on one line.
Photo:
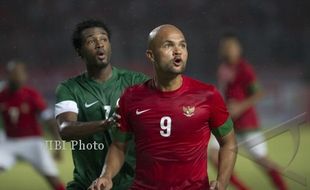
{"points": [[238, 81], [19, 110], [172, 131]]}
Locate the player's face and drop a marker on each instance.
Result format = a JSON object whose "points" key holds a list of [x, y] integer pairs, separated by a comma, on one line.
{"points": [[18, 74], [96, 47], [230, 50], [169, 52]]}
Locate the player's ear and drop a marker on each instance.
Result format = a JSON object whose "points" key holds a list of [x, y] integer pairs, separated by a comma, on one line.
{"points": [[149, 55]]}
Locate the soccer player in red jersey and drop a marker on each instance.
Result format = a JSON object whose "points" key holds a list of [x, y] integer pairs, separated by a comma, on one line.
{"points": [[19, 108], [171, 117], [238, 82]]}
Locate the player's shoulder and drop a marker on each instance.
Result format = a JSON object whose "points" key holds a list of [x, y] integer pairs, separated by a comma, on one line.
{"points": [[30, 89], [71, 82], [125, 72], [134, 90], [128, 75], [245, 64], [199, 85]]}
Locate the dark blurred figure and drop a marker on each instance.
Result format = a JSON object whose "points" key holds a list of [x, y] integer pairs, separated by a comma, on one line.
{"points": [[237, 80], [20, 107]]}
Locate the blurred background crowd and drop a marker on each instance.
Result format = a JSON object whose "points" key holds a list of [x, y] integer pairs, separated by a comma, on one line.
{"points": [[275, 35]]}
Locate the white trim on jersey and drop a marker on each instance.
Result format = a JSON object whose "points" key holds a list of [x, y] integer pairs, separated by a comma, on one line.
{"points": [[66, 106]]}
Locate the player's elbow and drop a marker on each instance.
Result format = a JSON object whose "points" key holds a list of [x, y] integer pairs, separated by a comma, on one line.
{"points": [[229, 142], [64, 134], [120, 146]]}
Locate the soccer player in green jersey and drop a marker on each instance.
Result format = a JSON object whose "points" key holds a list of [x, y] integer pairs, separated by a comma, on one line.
{"points": [[86, 102]]}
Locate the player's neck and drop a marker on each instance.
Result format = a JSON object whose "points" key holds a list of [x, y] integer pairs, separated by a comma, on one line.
{"points": [[100, 74], [233, 61], [167, 84]]}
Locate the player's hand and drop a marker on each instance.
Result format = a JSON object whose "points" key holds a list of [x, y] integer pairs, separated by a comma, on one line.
{"points": [[235, 109], [102, 183], [114, 120], [215, 185]]}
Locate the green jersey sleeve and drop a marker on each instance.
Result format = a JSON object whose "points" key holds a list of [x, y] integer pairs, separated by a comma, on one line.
{"points": [[139, 78], [65, 100], [63, 93], [224, 129], [254, 87], [124, 132], [220, 122]]}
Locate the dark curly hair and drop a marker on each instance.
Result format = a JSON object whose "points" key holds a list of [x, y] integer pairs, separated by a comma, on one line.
{"points": [[80, 27]]}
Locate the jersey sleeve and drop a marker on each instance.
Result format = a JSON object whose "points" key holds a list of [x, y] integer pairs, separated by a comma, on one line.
{"points": [[65, 101], [124, 132], [138, 78], [220, 122], [251, 83], [38, 101]]}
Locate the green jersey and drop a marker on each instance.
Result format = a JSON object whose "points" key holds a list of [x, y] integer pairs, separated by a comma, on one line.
{"points": [[94, 101]]}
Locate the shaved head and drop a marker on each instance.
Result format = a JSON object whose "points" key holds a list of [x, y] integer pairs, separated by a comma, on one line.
{"points": [[167, 50], [157, 33]]}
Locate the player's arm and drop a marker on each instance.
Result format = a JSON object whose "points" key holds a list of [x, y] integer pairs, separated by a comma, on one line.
{"points": [[48, 120], [114, 162], [116, 153], [71, 129], [253, 90], [236, 108], [227, 159], [222, 128], [45, 114], [66, 111]]}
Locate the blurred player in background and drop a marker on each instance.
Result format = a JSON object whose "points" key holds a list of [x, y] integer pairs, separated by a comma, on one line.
{"points": [[171, 117], [86, 102], [20, 107], [238, 82], [2, 133]]}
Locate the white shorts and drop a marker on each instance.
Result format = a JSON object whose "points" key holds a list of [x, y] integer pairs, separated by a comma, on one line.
{"points": [[253, 142], [30, 149], [2, 136]]}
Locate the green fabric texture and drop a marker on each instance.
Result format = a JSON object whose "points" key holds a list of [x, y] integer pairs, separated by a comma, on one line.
{"points": [[224, 129], [254, 87], [102, 97]]}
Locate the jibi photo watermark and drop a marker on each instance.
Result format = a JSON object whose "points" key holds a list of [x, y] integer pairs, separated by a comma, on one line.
{"points": [[75, 145]]}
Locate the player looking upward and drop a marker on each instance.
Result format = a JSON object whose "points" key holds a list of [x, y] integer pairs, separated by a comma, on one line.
{"points": [[171, 117], [85, 102]]}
